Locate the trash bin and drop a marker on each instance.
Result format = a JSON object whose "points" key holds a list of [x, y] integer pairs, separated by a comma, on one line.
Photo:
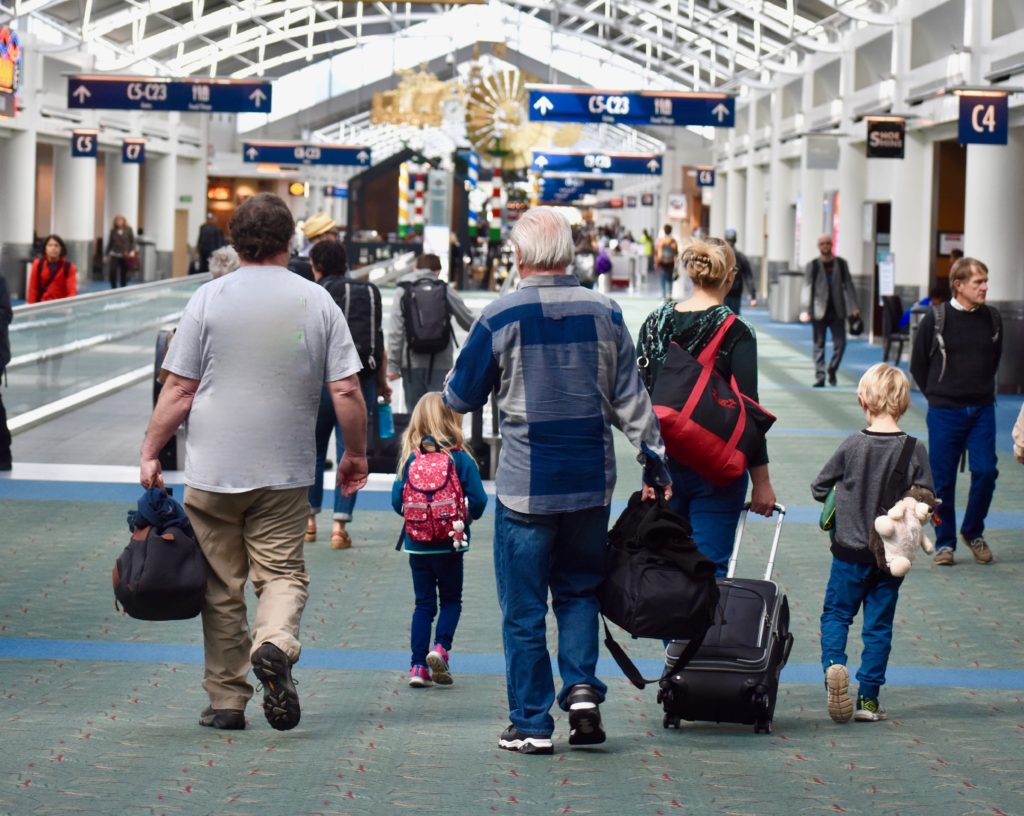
{"points": [[787, 293], [147, 259], [773, 300], [1010, 379]]}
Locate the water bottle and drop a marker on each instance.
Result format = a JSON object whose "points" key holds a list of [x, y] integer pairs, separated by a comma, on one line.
{"points": [[385, 421]]}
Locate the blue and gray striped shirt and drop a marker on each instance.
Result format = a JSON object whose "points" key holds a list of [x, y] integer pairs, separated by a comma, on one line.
{"points": [[565, 369]]}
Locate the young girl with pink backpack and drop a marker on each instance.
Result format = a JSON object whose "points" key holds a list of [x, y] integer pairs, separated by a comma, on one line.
{"points": [[436, 480]]}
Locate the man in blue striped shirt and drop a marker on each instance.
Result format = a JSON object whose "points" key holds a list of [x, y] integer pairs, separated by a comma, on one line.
{"points": [[564, 366]]}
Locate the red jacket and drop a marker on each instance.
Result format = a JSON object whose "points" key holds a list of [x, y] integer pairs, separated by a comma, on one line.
{"points": [[41, 288]]}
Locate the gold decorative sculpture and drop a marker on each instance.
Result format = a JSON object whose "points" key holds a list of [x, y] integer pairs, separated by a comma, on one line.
{"points": [[416, 101]]}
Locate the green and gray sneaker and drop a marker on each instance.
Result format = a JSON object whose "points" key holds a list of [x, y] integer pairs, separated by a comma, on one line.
{"points": [[869, 710]]}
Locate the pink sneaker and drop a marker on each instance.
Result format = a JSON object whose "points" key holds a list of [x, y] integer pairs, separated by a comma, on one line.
{"points": [[419, 677], [437, 659]]}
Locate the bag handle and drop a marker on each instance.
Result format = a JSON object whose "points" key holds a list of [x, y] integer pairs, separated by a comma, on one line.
{"points": [[710, 353], [629, 667]]}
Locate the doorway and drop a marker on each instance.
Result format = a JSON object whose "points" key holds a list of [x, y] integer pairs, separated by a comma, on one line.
{"points": [[179, 259]]}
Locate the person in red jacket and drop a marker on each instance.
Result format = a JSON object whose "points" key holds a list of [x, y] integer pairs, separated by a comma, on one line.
{"points": [[53, 276]]}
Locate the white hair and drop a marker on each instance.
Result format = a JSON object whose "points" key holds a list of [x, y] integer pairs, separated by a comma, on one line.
{"points": [[223, 260], [544, 239]]}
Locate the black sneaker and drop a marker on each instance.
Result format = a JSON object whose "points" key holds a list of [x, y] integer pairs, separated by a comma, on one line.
{"points": [[227, 719], [584, 717], [512, 740], [280, 700], [831, 378]]}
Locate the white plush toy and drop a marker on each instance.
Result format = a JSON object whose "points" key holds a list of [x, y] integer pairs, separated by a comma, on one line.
{"points": [[458, 535], [902, 531]]}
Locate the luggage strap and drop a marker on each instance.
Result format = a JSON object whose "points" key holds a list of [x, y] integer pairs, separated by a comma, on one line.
{"points": [[629, 667]]}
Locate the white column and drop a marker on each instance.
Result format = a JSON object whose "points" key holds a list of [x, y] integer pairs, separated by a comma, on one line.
{"points": [[122, 192], [751, 237], [810, 213], [74, 212], [994, 214], [735, 199], [160, 200], [720, 202], [853, 171], [780, 231], [910, 228], [17, 208]]}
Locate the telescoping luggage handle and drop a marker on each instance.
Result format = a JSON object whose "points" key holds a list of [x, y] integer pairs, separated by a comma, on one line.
{"points": [[781, 510]]}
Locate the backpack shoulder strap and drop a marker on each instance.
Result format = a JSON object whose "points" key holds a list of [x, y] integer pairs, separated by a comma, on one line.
{"points": [[997, 322], [938, 341], [898, 478]]}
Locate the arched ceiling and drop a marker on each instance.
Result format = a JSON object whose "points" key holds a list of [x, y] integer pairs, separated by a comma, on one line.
{"points": [[712, 44]]}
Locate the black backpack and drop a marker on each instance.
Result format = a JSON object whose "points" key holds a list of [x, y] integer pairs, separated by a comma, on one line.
{"points": [[427, 315], [360, 303], [160, 576]]}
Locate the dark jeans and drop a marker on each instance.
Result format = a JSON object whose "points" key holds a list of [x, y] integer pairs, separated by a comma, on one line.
{"points": [[327, 421], [837, 325], [668, 274], [117, 270], [5, 437], [849, 587], [951, 431], [535, 552], [713, 512], [435, 577]]}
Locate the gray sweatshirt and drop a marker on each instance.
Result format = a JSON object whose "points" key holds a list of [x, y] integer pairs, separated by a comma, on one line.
{"points": [[860, 469], [399, 355]]}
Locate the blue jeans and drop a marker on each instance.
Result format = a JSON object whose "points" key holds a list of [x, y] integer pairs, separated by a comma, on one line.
{"points": [[951, 431], [850, 586], [532, 552], [435, 577], [713, 512], [668, 275], [327, 421]]}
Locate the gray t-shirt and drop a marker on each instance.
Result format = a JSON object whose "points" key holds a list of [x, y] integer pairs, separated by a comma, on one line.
{"points": [[261, 341]]}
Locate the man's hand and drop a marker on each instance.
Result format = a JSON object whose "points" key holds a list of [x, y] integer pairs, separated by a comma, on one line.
{"points": [[150, 473], [753, 301], [392, 376], [384, 390], [352, 473], [856, 313], [805, 317]]}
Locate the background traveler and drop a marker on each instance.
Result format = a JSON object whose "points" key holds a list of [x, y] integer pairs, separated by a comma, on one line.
{"points": [[121, 252], [666, 250], [827, 297], [564, 366], [246, 367], [209, 241], [713, 511], [423, 371], [744, 278], [6, 315], [52, 276], [317, 228], [955, 365], [223, 261]]}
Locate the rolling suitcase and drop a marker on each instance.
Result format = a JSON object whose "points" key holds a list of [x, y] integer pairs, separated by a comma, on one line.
{"points": [[734, 675]]}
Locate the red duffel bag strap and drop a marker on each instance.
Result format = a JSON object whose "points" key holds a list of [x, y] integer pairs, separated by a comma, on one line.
{"points": [[707, 361]]}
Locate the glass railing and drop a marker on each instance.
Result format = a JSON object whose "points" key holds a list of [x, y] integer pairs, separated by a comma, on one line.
{"points": [[64, 347]]}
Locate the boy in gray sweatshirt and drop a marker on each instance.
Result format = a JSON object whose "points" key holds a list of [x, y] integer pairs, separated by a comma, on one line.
{"points": [[860, 470]]}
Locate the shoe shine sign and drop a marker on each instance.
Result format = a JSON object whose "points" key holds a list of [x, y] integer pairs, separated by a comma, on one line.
{"points": [[886, 137]]}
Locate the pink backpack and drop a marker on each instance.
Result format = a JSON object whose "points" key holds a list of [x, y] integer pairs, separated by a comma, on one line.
{"points": [[432, 498]]}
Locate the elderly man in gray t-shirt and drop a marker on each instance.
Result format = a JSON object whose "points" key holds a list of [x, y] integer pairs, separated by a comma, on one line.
{"points": [[246, 367]]}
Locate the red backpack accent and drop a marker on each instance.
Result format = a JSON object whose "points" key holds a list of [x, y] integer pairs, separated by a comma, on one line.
{"points": [[432, 498], [706, 422]]}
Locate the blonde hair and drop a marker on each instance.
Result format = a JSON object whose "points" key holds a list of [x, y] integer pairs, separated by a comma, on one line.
{"points": [[964, 269], [707, 264], [431, 417], [884, 390]]}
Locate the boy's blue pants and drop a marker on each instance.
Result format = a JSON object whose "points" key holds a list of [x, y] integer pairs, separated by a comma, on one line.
{"points": [[849, 587]]}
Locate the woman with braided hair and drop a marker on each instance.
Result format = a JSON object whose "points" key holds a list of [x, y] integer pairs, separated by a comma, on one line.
{"points": [[713, 511]]}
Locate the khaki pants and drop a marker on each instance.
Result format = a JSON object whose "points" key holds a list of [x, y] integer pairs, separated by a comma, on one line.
{"points": [[255, 534]]}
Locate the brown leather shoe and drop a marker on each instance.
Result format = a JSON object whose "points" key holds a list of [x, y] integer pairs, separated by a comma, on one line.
{"points": [[980, 550], [340, 539]]}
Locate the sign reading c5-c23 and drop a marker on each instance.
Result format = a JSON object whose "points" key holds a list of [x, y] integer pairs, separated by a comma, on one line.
{"points": [[984, 119]]}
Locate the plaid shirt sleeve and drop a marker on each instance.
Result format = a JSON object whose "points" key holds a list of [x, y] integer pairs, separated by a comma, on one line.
{"points": [[476, 372]]}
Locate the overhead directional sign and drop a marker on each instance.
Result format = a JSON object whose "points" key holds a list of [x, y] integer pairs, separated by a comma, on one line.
{"points": [[335, 191], [84, 144], [984, 119], [299, 153], [705, 176], [133, 151], [554, 103], [648, 164], [569, 189], [154, 93]]}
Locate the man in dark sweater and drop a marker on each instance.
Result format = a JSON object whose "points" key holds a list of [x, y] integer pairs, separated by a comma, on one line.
{"points": [[956, 369]]}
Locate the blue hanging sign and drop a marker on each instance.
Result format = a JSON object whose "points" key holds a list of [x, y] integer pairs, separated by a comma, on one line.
{"points": [[133, 151], [984, 119], [647, 164], [299, 153], [705, 176], [154, 93], [553, 103], [84, 144], [335, 191]]}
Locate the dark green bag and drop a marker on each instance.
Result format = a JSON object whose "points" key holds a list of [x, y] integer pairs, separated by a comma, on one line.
{"points": [[827, 521]]}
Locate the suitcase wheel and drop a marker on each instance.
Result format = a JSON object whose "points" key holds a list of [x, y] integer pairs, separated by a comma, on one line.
{"points": [[763, 727], [670, 721]]}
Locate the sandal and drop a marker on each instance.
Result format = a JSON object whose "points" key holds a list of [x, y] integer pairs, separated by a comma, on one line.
{"points": [[340, 539], [311, 529]]}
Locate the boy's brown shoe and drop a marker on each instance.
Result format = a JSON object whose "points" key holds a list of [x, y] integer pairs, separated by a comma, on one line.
{"points": [[980, 550], [837, 681], [943, 557]]}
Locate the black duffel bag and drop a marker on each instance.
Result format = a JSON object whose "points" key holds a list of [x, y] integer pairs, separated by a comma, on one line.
{"points": [[658, 584], [161, 574]]}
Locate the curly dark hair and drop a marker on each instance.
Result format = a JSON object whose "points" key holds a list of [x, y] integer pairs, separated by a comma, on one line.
{"points": [[329, 258], [261, 227]]}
